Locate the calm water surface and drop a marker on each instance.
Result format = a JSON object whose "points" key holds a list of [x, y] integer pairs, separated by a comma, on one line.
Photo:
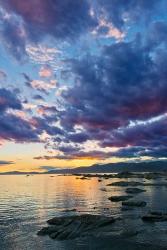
{"points": [[26, 203]]}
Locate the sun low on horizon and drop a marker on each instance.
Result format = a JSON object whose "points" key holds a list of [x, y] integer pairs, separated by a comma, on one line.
{"points": [[82, 82]]}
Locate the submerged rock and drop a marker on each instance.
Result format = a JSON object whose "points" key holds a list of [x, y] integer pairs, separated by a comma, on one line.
{"points": [[134, 190], [120, 198], [156, 184], [71, 227], [125, 183], [134, 203], [70, 210], [155, 217], [104, 189]]}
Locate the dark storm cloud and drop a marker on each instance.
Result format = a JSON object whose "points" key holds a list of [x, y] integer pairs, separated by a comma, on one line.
{"points": [[150, 134], [43, 124], [124, 83], [13, 128], [12, 34], [116, 88], [64, 19], [8, 100], [137, 152]]}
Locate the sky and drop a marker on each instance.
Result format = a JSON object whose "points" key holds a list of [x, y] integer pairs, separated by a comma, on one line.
{"points": [[82, 82]]}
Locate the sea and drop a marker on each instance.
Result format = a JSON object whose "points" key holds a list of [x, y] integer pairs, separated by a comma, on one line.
{"points": [[28, 201]]}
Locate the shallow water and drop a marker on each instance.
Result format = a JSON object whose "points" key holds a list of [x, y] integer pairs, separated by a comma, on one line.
{"points": [[26, 203]]}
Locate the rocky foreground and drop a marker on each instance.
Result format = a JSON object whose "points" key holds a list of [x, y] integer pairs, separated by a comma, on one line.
{"points": [[83, 225], [71, 227]]}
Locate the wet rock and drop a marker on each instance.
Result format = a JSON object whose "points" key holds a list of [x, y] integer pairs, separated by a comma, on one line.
{"points": [[125, 183], [155, 217], [120, 198], [103, 189], [134, 190], [155, 184], [133, 203], [84, 178], [71, 227], [70, 210]]}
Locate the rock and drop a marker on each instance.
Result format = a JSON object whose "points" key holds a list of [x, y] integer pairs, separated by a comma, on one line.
{"points": [[103, 189], [71, 227], [120, 198], [155, 184], [99, 180], [70, 210], [134, 203], [125, 183], [155, 217], [134, 190], [84, 178]]}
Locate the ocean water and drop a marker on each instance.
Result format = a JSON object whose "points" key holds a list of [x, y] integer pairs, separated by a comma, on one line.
{"points": [[27, 202]]}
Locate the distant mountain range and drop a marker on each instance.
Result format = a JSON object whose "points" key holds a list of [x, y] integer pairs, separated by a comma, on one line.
{"points": [[151, 166]]}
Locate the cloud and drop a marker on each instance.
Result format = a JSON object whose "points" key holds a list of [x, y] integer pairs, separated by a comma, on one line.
{"points": [[33, 20], [2, 163], [42, 85], [45, 71], [3, 75], [44, 55], [119, 12], [81, 155], [13, 125], [13, 37], [8, 100], [107, 30], [49, 168], [101, 98], [38, 98], [149, 134]]}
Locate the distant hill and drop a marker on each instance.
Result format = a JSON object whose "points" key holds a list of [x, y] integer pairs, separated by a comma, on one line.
{"points": [[151, 166]]}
